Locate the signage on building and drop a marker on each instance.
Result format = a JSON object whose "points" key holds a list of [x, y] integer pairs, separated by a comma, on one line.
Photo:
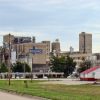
{"points": [[36, 51]]}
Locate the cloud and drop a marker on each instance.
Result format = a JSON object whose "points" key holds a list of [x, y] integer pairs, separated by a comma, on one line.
{"points": [[34, 1], [51, 19], [2, 33], [46, 5]]}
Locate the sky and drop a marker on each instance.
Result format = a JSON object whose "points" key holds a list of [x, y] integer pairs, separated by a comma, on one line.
{"points": [[52, 19]]}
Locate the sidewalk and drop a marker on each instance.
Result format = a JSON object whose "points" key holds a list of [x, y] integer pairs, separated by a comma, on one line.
{"points": [[9, 96]]}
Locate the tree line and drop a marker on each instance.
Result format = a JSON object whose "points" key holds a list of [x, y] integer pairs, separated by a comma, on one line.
{"points": [[58, 64], [17, 67]]}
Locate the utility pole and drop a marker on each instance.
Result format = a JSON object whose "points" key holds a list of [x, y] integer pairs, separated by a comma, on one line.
{"points": [[30, 61], [32, 70], [9, 64], [24, 68]]}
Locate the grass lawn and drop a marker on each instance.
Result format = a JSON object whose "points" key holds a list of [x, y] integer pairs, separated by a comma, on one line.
{"points": [[52, 91]]}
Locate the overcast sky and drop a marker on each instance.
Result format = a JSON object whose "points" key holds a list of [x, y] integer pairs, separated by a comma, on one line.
{"points": [[51, 19]]}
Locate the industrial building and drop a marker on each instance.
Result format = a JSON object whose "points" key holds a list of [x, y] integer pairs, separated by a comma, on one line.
{"points": [[27, 50], [38, 55]]}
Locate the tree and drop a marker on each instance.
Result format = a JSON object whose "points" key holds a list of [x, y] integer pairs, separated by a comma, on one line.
{"points": [[3, 67], [69, 66], [84, 66], [21, 67], [63, 64]]}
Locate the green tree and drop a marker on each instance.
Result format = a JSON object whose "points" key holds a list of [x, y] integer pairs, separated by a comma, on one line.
{"points": [[63, 64], [69, 66], [21, 67], [3, 67], [57, 64], [84, 66]]}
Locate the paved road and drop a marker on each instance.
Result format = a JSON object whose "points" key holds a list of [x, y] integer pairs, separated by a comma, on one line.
{"points": [[7, 96], [68, 82]]}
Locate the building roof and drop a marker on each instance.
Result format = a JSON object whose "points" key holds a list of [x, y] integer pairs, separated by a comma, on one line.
{"points": [[90, 70]]}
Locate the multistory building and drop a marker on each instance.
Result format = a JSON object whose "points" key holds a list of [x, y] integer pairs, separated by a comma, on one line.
{"points": [[85, 43], [76, 56], [8, 39], [56, 47], [26, 48], [47, 43]]}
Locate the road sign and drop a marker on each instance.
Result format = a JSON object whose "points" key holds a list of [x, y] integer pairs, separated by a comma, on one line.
{"points": [[36, 51]]}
